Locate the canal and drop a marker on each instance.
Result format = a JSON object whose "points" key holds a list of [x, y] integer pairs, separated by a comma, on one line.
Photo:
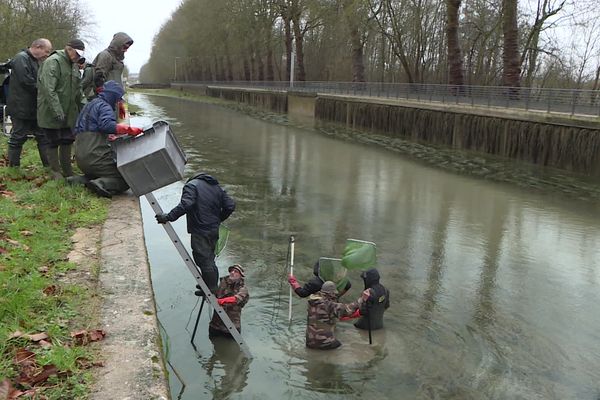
{"points": [[494, 288]]}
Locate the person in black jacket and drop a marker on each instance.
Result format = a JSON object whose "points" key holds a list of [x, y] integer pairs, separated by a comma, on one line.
{"points": [[370, 313], [313, 285], [206, 205], [22, 100]]}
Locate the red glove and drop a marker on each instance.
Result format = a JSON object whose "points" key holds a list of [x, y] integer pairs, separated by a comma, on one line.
{"points": [[124, 129], [99, 89], [227, 300], [293, 282], [122, 112], [355, 314]]}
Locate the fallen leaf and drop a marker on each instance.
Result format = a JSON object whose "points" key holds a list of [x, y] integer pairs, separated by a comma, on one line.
{"points": [[38, 336], [8, 392], [43, 269], [13, 242], [50, 290], [26, 233], [97, 335], [15, 334], [45, 344], [24, 356]]}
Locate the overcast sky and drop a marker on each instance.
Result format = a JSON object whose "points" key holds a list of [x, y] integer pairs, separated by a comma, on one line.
{"points": [[140, 19]]}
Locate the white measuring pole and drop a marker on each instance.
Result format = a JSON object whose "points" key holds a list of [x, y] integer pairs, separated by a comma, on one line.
{"points": [[291, 273]]}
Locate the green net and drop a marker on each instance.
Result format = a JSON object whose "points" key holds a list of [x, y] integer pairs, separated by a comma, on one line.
{"points": [[223, 236], [359, 254], [331, 269]]}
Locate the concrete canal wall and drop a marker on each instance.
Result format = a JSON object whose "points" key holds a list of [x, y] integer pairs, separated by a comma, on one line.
{"points": [[564, 142]]}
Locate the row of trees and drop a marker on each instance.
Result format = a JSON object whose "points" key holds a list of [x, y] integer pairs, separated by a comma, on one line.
{"points": [[476, 42], [22, 21]]}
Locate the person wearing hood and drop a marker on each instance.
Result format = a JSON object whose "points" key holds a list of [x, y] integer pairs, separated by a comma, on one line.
{"points": [[94, 131], [232, 295], [323, 313], [59, 101], [371, 312], [22, 101], [206, 205], [313, 285], [108, 64]]}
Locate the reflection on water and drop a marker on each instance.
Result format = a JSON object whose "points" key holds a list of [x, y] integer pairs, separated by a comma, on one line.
{"points": [[494, 289]]}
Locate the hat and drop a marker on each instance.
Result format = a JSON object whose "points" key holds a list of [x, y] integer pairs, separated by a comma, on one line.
{"points": [[238, 268], [77, 45], [329, 287], [114, 87]]}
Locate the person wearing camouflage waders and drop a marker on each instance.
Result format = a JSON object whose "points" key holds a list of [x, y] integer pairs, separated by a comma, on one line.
{"points": [[232, 295], [323, 313]]}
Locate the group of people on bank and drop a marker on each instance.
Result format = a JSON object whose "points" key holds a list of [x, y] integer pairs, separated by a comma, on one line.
{"points": [[60, 99], [206, 205]]}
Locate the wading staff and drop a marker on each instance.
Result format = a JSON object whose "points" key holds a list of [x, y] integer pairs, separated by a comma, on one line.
{"points": [[369, 322], [291, 247], [368, 306], [197, 320]]}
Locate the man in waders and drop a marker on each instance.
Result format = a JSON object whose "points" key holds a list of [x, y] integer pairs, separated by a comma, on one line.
{"points": [[370, 313], [94, 131], [232, 295], [206, 205], [323, 313]]}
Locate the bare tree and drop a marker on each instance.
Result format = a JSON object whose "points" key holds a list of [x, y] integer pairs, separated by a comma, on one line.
{"points": [[455, 64], [511, 60]]}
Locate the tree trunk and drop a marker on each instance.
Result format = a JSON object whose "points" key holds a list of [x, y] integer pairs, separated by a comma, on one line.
{"points": [[358, 64], [288, 44], [455, 64], [270, 70], [511, 74], [299, 38]]}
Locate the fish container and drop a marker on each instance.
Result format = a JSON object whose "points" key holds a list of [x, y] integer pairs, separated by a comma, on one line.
{"points": [[152, 160]]}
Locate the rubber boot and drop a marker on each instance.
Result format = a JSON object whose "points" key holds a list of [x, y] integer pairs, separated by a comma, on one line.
{"points": [[64, 152], [53, 163], [14, 156], [43, 156]]}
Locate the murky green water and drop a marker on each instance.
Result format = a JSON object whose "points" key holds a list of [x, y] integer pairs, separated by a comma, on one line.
{"points": [[494, 288]]}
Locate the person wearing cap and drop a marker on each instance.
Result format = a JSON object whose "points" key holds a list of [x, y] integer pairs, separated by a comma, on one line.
{"points": [[205, 205], [232, 295], [22, 101], [94, 130], [323, 313], [59, 101], [313, 285], [108, 64]]}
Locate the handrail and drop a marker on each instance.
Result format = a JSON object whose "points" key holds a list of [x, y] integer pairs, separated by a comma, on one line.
{"points": [[564, 101]]}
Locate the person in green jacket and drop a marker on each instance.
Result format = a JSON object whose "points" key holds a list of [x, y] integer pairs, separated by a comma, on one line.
{"points": [[22, 100], [59, 102], [108, 64]]}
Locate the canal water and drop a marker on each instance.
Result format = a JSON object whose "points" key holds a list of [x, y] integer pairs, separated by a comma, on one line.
{"points": [[494, 288]]}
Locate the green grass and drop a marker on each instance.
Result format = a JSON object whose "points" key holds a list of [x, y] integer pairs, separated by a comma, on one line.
{"points": [[38, 216]]}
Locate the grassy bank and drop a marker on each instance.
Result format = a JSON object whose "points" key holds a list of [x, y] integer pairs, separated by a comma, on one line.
{"points": [[42, 302]]}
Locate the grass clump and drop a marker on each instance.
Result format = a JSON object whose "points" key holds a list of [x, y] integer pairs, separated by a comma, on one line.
{"points": [[39, 308]]}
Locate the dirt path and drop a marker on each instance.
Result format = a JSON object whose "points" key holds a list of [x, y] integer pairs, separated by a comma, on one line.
{"points": [[131, 351]]}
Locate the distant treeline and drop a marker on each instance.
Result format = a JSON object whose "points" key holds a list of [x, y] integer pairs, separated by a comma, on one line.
{"points": [[23, 21], [474, 42]]}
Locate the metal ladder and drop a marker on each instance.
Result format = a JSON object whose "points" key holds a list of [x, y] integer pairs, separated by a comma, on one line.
{"points": [[189, 262]]}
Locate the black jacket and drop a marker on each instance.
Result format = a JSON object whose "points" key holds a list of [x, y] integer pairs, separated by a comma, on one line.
{"points": [[205, 204], [372, 310], [314, 284], [22, 90]]}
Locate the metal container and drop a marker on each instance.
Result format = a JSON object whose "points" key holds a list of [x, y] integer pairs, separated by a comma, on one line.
{"points": [[152, 160]]}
